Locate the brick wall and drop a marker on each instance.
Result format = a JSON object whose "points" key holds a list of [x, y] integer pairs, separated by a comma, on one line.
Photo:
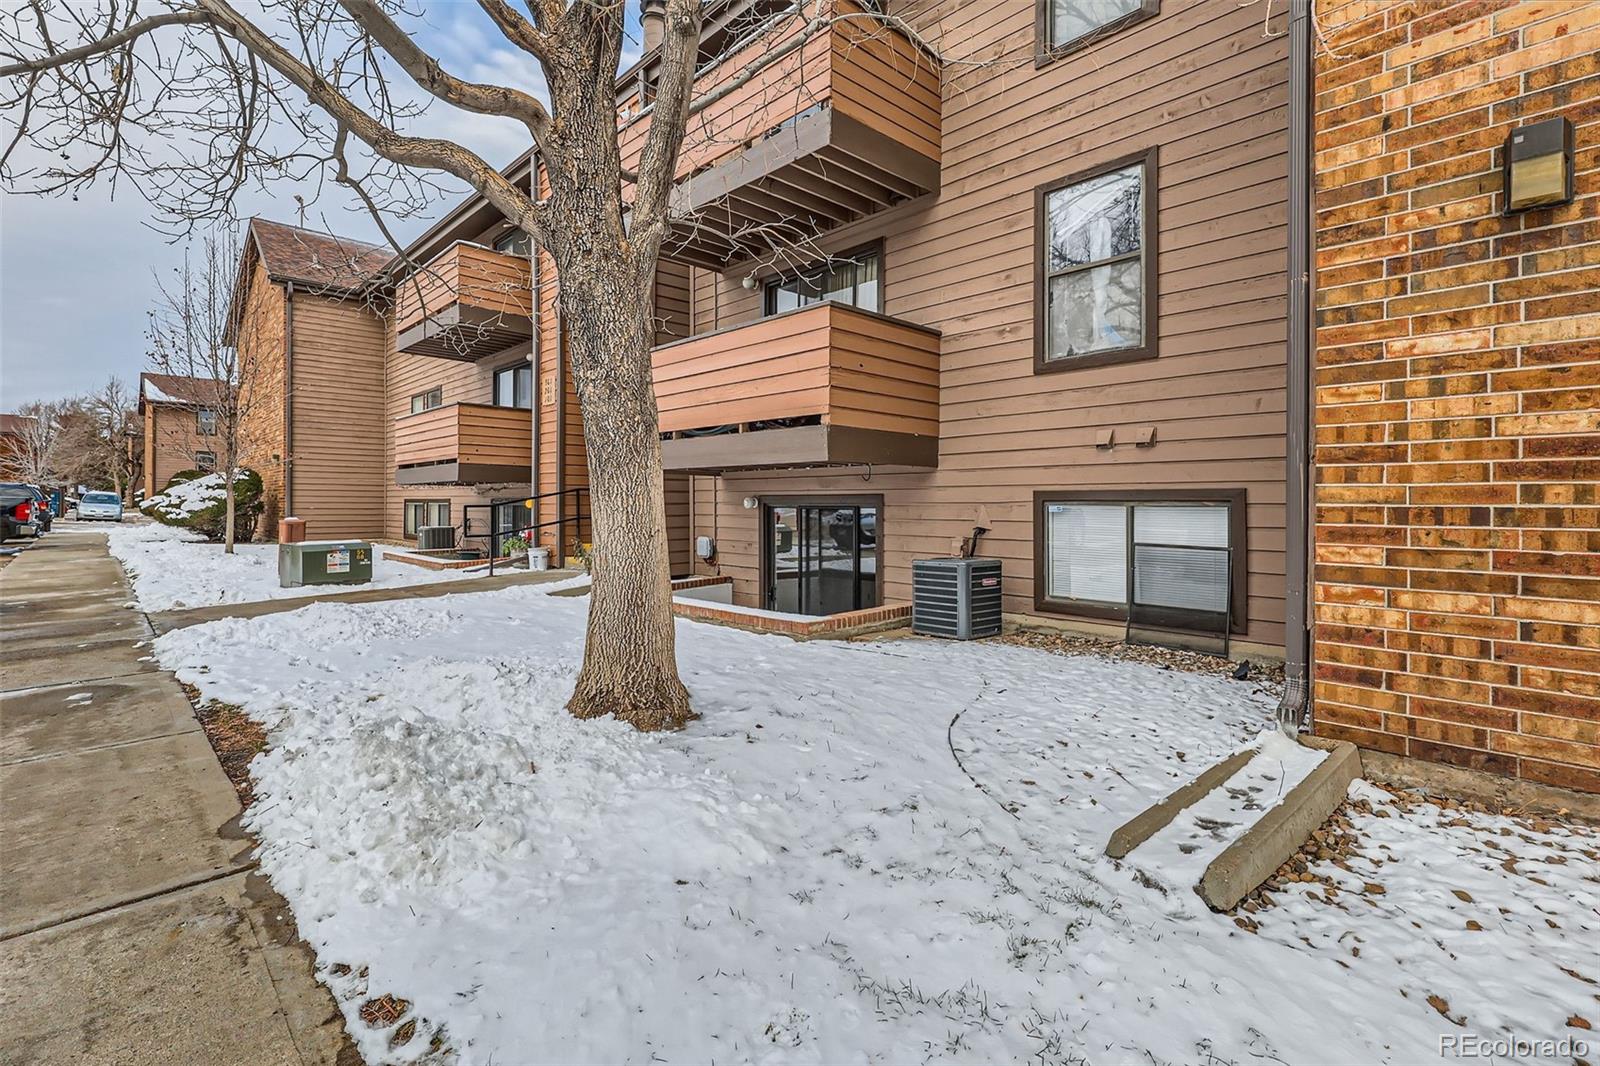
{"points": [[1457, 408]]}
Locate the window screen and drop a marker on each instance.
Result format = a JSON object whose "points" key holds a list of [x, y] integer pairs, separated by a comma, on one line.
{"points": [[1171, 569]]}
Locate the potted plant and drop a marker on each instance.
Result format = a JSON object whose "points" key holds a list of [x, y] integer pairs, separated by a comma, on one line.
{"points": [[515, 546]]}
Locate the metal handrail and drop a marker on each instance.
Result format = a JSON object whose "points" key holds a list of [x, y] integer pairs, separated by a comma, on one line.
{"points": [[560, 522]]}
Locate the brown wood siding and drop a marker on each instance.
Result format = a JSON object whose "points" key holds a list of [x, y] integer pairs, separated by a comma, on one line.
{"points": [[878, 78], [467, 274], [263, 392], [464, 433], [337, 471], [680, 525], [172, 437], [846, 366], [1204, 85], [461, 383]]}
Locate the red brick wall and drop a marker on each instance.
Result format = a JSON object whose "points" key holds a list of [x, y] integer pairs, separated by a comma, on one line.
{"points": [[1457, 408]]}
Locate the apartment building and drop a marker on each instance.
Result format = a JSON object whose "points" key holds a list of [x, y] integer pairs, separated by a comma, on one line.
{"points": [[179, 427], [310, 332], [1054, 305]]}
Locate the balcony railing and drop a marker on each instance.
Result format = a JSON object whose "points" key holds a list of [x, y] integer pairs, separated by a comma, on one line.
{"points": [[824, 385], [843, 127], [468, 302], [464, 444]]}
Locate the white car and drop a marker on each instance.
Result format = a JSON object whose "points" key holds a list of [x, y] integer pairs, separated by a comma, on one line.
{"points": [[100, 505]]}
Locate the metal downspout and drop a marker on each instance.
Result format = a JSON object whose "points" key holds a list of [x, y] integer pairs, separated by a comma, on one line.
{"points": [[288, 399], [1294, 712]]}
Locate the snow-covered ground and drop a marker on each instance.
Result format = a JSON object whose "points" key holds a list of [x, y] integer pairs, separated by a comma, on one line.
{"points": [[172, 569], [862, 852]]}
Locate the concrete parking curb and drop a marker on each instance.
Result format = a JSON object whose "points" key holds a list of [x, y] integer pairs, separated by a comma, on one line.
{"points": [[1267, 845], [1152, 820]]}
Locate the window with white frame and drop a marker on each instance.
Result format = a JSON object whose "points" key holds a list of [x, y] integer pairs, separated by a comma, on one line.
{"points": [[1096, 274], [205, 460], [206, 422]]}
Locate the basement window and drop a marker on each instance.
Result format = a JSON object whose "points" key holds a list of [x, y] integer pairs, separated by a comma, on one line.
{"points": [[205, 460], [1172, 557]]}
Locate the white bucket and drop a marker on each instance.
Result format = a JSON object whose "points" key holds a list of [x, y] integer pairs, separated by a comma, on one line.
{"points": [[538, 558]]}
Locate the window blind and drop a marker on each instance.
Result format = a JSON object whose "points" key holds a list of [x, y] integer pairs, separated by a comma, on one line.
{"points": [[1086, 545]]}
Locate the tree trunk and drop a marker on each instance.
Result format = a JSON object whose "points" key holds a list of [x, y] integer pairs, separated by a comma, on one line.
{"points": [[227, 529], [629, 658]]}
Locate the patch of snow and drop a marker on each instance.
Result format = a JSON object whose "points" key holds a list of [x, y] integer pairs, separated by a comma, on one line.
{"points": [[189, 497], [865, 852], [1177, 855], [171, 568]]}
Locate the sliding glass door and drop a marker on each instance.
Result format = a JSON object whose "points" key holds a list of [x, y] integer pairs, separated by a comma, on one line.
{"points": [[821, 558]]}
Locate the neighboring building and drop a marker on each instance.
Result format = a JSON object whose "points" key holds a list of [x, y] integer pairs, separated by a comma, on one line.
{"points": [[1457, 590], [180, 431], [13, 444], [310, 334]]}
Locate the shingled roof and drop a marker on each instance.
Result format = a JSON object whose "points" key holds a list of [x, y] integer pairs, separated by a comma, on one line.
{"points": [[11, 425], [307, 257]]}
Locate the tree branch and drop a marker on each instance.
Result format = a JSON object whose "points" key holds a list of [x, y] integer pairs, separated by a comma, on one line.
{"points": [[109, 43]]}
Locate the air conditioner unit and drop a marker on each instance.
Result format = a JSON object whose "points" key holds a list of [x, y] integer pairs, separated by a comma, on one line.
{"points": [[955, 598], [436, 538]]}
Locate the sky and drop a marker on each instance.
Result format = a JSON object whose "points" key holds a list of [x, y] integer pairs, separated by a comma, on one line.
{"points": [[76, 277]]}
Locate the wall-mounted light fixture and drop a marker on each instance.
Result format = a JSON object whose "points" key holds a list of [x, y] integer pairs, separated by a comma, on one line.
{"points": [[1538, 165], [751, 503]]}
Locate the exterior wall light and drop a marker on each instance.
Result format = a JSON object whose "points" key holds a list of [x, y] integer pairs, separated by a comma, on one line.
{"points": [[1538, 165], [751, 503]]}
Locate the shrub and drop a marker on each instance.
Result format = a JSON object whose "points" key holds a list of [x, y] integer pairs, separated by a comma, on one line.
{"points": [[197, 501]]}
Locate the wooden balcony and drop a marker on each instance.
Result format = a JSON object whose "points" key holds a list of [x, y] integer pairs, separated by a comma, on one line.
{"points": [[464, 444], [826, 385], [468, 302], [844, 127]]}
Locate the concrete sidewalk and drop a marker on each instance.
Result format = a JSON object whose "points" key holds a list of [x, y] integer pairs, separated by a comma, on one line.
{"points": [[167, 621], [132, 928]]}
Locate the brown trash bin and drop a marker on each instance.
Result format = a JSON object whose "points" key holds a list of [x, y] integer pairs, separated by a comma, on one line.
{"points": [[291, 530]]}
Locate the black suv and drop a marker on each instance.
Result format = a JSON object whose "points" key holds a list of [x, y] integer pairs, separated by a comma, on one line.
{"points": [[18, 505]]}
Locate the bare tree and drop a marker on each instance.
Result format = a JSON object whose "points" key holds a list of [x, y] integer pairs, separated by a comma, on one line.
{"points": [[194, 334], [35, 456], [178, 97], [98, 435]]}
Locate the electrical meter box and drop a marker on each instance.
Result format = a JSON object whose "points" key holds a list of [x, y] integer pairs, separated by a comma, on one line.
{"points": [[324, 562]]}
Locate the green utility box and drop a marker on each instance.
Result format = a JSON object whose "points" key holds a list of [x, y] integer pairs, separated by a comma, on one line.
{"points": [[324, 562]]}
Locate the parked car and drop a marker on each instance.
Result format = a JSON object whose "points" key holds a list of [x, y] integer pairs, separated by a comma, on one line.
{"points": [[17, 506], [44, 514], [100, 505]]}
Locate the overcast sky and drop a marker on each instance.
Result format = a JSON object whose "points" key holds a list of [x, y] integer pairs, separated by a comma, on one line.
{"points": [[76, 277]]}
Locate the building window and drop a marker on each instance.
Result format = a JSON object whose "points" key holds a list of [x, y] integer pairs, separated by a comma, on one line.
{"points": [[513, 386], [205, 460], [1096, 270], [515, 242], [427, 401], [854, 279], [426, 513], [1068, 25], [1172, 556], [206, 421]]}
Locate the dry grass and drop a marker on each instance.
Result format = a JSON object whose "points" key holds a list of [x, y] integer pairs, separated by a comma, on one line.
{"points": [[1060, 643], [234, 736]]}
